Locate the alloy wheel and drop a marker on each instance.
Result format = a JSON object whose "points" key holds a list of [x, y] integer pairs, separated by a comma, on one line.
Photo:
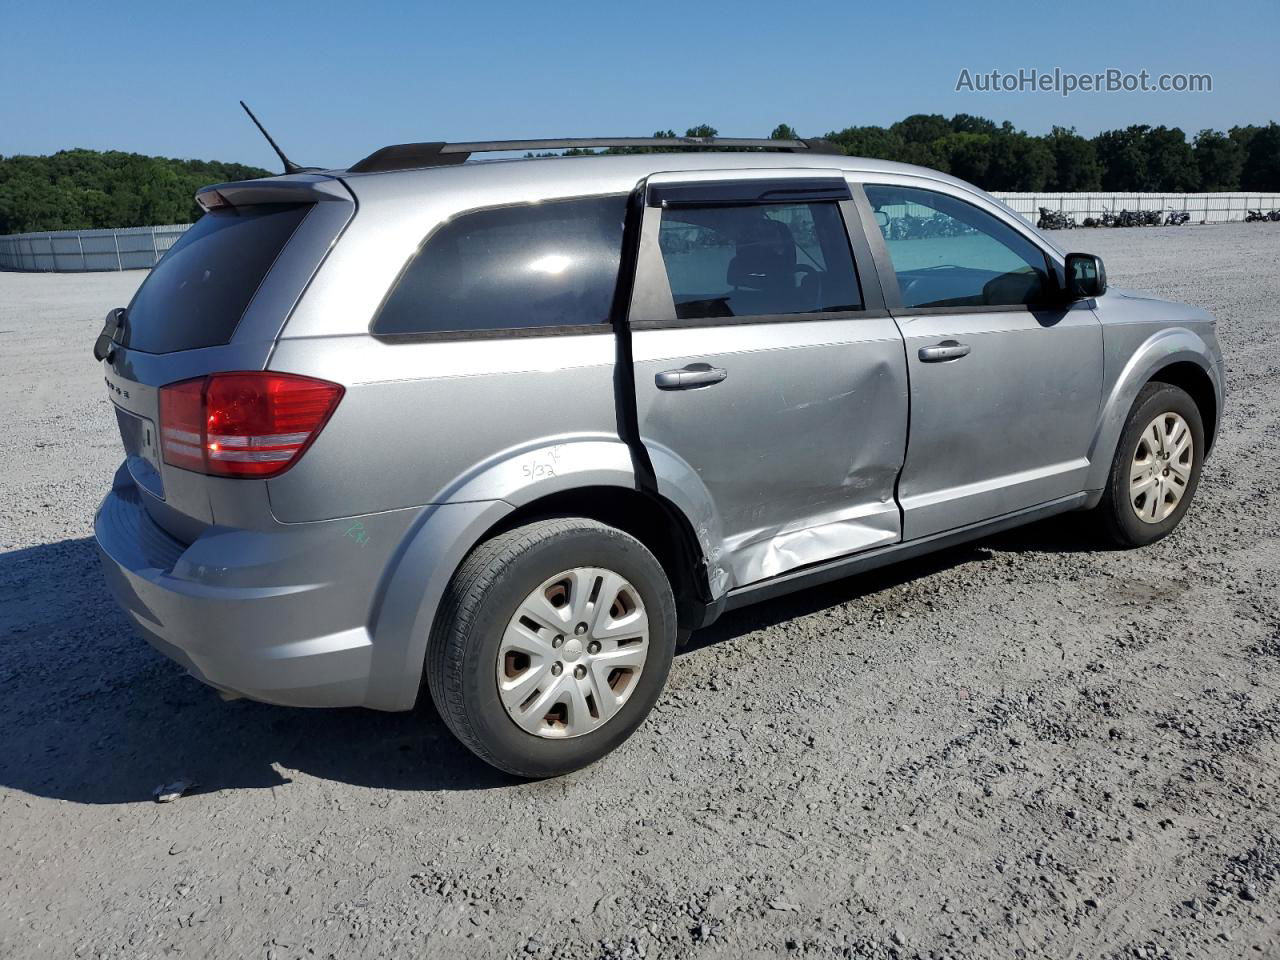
{"points": [[1161, 468]]}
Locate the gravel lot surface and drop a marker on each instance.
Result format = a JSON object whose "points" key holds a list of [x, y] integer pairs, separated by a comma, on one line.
{"points": [[1026, 747]]}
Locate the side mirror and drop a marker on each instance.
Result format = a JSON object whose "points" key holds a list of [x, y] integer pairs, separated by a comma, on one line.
{"points": [[1086, 276]]}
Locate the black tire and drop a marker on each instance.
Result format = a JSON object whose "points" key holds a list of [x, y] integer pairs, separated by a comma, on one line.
{"points": [[481, 599], [1118, 521]]}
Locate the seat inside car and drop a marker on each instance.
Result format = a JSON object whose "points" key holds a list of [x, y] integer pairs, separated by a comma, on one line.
{"points": [[763, 270]]}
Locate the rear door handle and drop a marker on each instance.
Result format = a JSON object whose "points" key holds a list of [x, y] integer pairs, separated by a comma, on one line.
{"points": [[693, 375], [946, 350]]}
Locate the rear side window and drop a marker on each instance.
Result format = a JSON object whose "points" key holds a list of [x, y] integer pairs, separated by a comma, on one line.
{"points": [[758, 260], [550, 264], [198, 291]]}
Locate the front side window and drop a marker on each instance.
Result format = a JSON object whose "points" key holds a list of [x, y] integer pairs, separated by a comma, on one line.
{"points": [[755, 260], [546, 264], [948, 253]]}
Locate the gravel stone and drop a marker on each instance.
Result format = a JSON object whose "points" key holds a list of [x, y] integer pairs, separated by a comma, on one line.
{"points": [[793, 740]]}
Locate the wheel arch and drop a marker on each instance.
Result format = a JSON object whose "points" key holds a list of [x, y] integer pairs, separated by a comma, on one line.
{"points": [[1176, 355], [589, 477], [653, 520], [1195, 380]]}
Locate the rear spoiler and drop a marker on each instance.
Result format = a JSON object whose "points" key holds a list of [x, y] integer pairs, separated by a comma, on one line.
{"points": [[297, 188]]}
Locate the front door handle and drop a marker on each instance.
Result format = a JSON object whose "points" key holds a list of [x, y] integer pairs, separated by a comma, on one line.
{"points": [[693, 375], [946, 350]]}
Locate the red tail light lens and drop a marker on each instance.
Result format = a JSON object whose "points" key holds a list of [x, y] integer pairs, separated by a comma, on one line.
{"points": [[182, 424], [243, 424]]}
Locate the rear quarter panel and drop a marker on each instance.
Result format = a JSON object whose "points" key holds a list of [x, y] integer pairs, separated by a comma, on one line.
{"points": [[420, 420]]}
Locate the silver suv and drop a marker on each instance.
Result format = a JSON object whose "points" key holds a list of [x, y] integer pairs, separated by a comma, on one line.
{"points": [[515, 428]]}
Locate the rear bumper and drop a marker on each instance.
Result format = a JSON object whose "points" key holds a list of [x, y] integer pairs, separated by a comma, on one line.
{"points": [[278, 616]]}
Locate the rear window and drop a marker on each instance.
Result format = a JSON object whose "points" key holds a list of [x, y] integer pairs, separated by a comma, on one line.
{"points": [[196, 294], [550, 264]]}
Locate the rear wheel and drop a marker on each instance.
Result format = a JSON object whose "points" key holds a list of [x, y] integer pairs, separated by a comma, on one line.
{"points": [[551, 646], [1156, 468]]}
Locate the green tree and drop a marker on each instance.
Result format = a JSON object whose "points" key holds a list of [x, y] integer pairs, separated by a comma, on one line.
{"points": [[1075, 162], [1171, 163], [1123, 157], [968, 123], [1144, 158], [922, 128], [874, 142], [1219, 160], [969, 155], [784, 131], [1018, 162], [84, 189], [1261, 171]]}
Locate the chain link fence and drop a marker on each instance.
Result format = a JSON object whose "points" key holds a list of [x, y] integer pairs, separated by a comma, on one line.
{"points": [[77, 251]]}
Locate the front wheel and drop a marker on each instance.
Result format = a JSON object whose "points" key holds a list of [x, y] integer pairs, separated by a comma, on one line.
{"points": [[1156, 468], [551, 645]]}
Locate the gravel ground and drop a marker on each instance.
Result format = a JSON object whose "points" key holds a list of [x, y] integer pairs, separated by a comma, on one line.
{"points": [[1026, 747]]}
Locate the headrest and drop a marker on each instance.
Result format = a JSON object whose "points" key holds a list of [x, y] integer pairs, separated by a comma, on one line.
{"points": [[765, 257]]}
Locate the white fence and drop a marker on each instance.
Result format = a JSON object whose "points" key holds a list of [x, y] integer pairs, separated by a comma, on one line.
{"points": [[1203, 207], [74, 251], [135, 248]]}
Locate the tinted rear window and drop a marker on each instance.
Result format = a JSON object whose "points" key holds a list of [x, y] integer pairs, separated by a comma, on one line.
{"points": [[196, 294], [539, 265]]}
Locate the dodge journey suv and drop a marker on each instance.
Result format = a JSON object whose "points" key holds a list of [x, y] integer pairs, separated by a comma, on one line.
{"points": [[508, 430]]}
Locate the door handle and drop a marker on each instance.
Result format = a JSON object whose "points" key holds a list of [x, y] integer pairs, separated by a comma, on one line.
{"points": [[946, 350], [693, 375]]}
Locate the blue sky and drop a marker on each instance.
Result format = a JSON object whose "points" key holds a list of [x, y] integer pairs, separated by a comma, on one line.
{"points": [[334, 81]]}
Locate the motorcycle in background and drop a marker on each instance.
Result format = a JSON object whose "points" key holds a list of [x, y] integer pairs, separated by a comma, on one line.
{"points": [[1055, 220]]}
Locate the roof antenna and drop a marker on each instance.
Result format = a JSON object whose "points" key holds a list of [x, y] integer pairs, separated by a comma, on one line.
{"points": [[289, 165]]}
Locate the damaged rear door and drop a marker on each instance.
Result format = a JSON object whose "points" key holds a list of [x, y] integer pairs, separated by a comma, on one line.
{"points": [[765, 360]]}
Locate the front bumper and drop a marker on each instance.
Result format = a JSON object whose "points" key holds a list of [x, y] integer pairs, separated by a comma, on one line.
{"points": [[279, 616]]}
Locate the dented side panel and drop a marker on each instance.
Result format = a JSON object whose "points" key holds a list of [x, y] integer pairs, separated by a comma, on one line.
{"points": [[799, 446]]}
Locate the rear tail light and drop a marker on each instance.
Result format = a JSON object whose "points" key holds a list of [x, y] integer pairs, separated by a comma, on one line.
{"points": [[243, 424]]}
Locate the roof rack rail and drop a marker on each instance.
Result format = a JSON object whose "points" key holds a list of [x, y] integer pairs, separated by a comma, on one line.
{"points": [[407, 156]]}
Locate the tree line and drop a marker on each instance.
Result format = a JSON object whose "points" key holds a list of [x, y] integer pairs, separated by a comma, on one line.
{"points": [[86, 189], [1137, 159], [81, 189]]}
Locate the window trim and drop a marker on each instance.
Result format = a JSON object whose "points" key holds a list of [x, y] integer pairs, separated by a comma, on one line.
{"points": [[888, 276], [734, 193], [498, 333], [606, 325], [652, 282], [680, 324]]}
